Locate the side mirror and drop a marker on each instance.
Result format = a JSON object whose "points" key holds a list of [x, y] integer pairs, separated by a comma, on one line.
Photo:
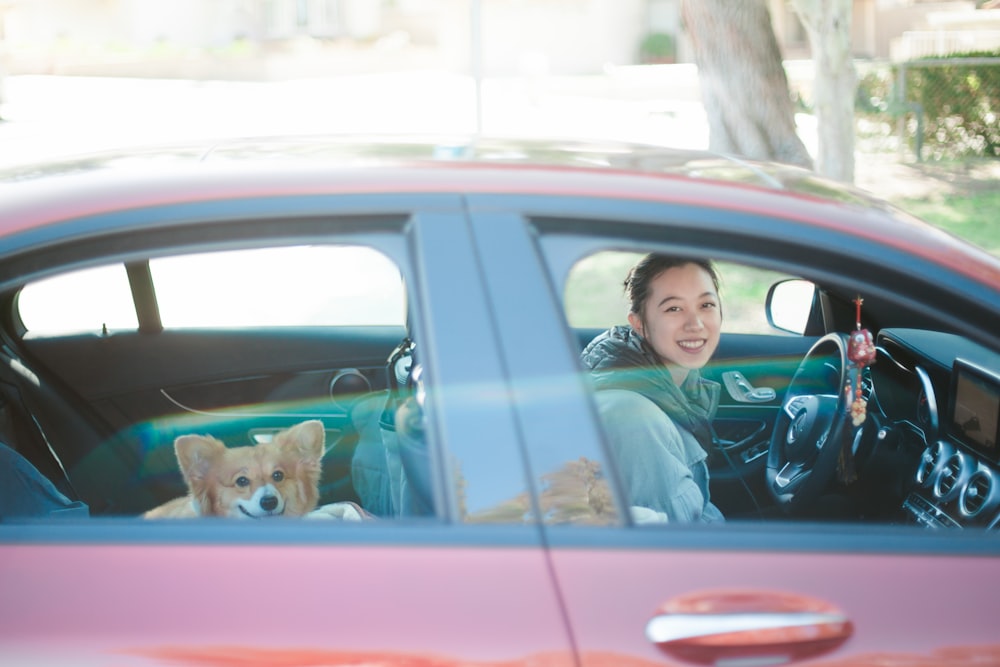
{"points": [[789, 305]]}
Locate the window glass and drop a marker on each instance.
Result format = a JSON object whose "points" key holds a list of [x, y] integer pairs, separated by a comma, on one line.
{"points": [[595, 296], [307, 387], [688, 436], [87, 300], [294, 286]]}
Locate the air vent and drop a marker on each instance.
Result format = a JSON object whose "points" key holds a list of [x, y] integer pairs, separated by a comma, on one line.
{"points": [[930, 461], [948, 477], [867, 385], [927, 462], [976, 493]]}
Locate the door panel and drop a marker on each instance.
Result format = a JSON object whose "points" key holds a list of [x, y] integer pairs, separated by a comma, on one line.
{"points": [[290, 593], [899, 610], [94, 367]]}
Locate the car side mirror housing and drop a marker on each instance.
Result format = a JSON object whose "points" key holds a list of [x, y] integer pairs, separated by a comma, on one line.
{"points": [[789, 305]]}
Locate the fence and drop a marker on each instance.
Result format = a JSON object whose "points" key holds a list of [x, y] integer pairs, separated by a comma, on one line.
{"points": [[934, 108]]}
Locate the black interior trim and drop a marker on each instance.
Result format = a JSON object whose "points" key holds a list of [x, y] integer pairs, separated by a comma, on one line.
{"points": [[147, 310]]}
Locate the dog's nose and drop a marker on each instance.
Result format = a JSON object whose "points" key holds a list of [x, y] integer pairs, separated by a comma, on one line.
{"points": [[268, 503]]}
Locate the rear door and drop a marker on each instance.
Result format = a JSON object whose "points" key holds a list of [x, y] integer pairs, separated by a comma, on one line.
{"points": [[121, 593], [468, 585]]}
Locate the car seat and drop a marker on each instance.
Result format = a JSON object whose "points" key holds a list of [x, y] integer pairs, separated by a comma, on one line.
{"points": [[26, 492], [27, 401]]}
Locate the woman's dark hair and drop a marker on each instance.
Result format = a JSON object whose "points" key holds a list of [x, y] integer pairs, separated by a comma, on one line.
{"points": [[642, 274]]}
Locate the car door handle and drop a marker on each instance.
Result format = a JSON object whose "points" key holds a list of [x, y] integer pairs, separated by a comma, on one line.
{"points": [[758, 627]]}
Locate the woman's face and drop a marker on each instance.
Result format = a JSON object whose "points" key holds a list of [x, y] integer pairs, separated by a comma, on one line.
{"points": [[681, 319]]}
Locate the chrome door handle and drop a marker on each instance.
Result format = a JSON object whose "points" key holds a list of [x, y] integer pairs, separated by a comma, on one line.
{"points": [[670, 628], [768, 630]]}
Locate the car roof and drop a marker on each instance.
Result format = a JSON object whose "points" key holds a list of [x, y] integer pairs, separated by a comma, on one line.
{"points": [[384, 150], [35, 195]]}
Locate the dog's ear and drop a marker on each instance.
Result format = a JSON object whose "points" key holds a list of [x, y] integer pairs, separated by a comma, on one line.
{"points": [[195, 455], [307, 439]]}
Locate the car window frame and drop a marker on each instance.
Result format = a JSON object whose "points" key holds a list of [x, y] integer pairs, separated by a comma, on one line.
{"points": [[408, 229], [561, 239]]}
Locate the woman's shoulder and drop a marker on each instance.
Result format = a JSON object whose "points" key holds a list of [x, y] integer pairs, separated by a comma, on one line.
{"points": [[610, 349]]}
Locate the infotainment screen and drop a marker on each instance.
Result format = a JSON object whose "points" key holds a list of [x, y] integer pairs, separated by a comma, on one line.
{"points": [[974, 417]]}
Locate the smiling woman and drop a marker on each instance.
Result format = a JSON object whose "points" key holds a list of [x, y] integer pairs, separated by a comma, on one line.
{"points": [[655, 406]]}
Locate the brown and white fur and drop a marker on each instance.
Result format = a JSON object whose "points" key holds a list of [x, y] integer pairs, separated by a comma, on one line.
{"points": [[271, 479]]}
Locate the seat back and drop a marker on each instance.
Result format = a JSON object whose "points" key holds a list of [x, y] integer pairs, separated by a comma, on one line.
{"points": [[391, 467], [27, 403]]}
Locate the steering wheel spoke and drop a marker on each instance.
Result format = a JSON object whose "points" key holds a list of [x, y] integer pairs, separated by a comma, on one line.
{"points": [[794, 404], [789, 476]]}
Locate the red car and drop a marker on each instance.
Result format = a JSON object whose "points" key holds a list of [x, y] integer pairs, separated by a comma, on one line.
{"points": [[238, 289]]}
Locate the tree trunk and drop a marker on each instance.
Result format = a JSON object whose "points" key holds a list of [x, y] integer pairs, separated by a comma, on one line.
{"points": [[828, 23], [743, 82]]}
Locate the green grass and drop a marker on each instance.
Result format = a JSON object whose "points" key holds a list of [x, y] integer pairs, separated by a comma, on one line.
{"points": [[973, 216]]}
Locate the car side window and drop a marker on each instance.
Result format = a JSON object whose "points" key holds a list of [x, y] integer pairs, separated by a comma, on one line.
{"points": [[688, 434], [286, 348]]}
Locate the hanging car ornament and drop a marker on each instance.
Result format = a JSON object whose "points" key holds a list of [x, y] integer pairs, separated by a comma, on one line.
{"points": [[860, 353]]}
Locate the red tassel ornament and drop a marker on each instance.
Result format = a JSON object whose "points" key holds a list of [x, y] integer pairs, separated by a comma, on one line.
{"points": [[860, 353]]}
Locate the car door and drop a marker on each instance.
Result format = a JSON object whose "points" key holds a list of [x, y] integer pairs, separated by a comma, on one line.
{"points": [[755, 591], [463, 586]]}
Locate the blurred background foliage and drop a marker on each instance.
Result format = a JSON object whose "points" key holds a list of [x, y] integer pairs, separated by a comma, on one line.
{"points": [[941, 108]]}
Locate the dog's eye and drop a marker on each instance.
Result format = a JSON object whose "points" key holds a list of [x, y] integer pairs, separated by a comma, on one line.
{"points": [[242, 481], [277, 475]]}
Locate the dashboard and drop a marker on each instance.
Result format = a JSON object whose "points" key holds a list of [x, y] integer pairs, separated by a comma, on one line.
{"points": [[938, 400]]}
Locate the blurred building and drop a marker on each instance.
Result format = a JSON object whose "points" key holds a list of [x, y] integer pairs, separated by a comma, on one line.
{"points": [[901, 29], [504, 37]]}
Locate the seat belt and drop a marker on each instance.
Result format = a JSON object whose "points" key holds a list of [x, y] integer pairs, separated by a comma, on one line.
{"points": [[16, 399]]}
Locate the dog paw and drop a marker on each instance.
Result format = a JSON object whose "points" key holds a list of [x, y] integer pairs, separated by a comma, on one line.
{"points": [[344, 511]]}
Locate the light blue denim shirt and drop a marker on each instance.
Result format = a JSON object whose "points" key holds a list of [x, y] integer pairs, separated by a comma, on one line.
{"points": [[662, 467], [654, 427]]}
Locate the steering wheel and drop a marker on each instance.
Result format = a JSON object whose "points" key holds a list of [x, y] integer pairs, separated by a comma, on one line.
{"points": [[810, 428]]}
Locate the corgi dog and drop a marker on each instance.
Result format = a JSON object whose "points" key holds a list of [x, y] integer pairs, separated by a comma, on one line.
{"points": [[269, 479]]}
